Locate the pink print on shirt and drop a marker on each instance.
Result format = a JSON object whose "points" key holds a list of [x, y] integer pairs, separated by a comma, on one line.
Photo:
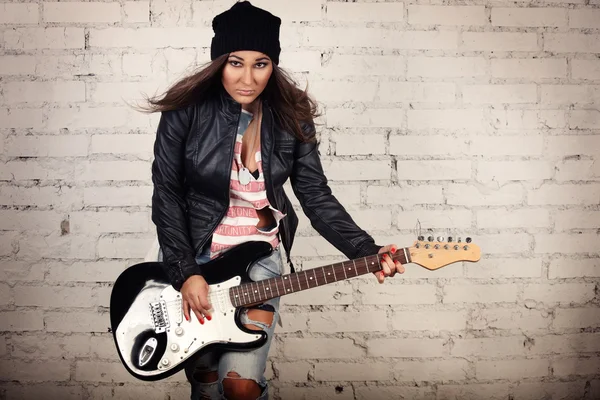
{"points": [[239, 223]]}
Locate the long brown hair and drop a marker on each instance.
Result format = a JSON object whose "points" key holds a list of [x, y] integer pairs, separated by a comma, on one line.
{"points": [[290, 104]]}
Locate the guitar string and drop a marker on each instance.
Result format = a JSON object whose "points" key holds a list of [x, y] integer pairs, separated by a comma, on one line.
{"points": [[318, 273]]}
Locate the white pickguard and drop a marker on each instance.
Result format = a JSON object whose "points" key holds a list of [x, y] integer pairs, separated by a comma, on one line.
{"points": [[184, 338]]}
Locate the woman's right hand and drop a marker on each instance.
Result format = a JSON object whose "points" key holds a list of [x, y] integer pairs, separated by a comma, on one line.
{"points": [[194, 292]]}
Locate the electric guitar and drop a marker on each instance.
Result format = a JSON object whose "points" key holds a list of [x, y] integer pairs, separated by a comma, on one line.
{"points": [[154, 340]]}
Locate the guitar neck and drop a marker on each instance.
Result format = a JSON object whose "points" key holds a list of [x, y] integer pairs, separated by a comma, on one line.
{"points": [[258, 292]]}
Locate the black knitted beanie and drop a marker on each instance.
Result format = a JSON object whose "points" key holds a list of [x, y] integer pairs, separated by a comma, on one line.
{"points": [[246, 27]]}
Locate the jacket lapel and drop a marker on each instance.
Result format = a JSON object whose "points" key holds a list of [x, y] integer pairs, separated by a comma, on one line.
{"points": [[266, 149]]}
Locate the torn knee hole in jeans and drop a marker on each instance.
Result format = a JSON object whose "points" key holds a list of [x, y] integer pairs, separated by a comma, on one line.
{"points": [[234, 376], [260, 317]]}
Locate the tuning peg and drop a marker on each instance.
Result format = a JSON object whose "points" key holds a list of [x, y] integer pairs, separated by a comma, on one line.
{"points": [[421, 238], [430, 238], [459, 239], [440, 239], [449, 239], [468, 240]]}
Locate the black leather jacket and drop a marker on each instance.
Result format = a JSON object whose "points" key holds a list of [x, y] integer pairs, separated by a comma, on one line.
{"points": [[191, 171]]}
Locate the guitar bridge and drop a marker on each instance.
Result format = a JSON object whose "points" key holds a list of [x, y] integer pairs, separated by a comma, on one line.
{"points": [[160, 317]]}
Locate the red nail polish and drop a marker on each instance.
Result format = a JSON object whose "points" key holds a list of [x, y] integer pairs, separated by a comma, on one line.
{"points": [[187, 318], [208, 317], [202, 321], [393, 250]]}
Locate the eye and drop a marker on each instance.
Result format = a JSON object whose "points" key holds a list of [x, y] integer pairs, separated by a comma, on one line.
{"points": [[232, 62], [261, 63]]}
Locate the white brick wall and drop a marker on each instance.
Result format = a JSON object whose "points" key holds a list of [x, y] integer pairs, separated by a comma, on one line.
{"points": [[468, 119]]}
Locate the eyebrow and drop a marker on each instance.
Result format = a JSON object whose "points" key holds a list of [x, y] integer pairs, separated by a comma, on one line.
{"points": [[258, 59]]}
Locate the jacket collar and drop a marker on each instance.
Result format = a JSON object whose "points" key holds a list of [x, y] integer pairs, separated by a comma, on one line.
{"points": [[227, 104]]}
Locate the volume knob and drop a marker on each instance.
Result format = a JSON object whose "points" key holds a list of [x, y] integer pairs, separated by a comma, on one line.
{"points": [[165, 362], [174, 347], [179, 331]]}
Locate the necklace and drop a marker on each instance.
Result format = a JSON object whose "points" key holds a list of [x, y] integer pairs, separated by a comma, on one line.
{"points": [[244, 174]]}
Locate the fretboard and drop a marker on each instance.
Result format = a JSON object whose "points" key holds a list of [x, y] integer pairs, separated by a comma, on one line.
{"points": [[258, 292]]}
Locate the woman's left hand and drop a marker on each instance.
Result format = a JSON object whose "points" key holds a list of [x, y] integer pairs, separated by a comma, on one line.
{"points": [[390, 267]]}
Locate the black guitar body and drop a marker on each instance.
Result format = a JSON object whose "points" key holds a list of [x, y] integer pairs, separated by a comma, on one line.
{"points": [[153, 338]]}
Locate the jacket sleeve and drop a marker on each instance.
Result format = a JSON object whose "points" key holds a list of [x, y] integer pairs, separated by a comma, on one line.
{"points": [[326, 214], [168, 202]]}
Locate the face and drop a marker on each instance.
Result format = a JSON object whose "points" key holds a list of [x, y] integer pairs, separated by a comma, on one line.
{"points": [[246, 75]]}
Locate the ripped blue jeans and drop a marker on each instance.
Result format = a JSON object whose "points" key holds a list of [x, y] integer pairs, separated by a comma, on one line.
{"points": [[247, 364]]}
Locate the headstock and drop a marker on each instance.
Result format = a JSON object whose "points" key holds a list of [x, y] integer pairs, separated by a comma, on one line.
{"points": [[433, 254]]}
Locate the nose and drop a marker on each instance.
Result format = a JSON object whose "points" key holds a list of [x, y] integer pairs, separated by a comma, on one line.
{"points": [[247, 76]]}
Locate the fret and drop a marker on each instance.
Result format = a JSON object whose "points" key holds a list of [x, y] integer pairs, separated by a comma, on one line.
{"points": [[298, 279], [315, 274], [367, 264], [265, 290], [250, 292], [277, 286], [344, 269], [324, 275], [234, 296], [333, 268], [253, 290], [306, 279], [355, 270], [366, 261], [359, 268]]}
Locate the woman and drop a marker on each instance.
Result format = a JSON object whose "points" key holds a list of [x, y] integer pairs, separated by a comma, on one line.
{"points": [[228, 138]]}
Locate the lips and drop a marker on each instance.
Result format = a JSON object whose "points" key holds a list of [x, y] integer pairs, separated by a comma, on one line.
{"points": [[245, 92]]}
